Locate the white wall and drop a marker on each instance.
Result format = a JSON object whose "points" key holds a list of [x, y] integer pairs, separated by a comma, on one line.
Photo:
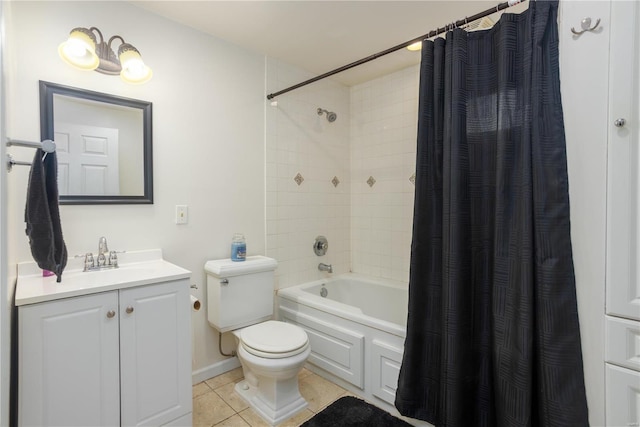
{"points": [[384, 124], [6, 277], [369, 228], [208, 139], [584, 102], [301, 141]]}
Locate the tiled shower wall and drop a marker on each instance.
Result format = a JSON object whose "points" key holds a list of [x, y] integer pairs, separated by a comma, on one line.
{"points": [[299, 141], [383, 150], [374, 136]]}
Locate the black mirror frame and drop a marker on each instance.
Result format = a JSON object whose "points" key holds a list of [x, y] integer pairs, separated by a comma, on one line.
{"points": [[47, 90]]}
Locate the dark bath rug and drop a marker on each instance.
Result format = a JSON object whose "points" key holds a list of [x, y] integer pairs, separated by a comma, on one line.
{"points": [[352, 412]]}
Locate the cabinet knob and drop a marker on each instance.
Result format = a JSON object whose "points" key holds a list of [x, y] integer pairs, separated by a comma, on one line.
{"points": [[619, 123], [110, 314], [129, 310]]}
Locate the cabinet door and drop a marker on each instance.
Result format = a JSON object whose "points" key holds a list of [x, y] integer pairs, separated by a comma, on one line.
{"points": [[623, 211], [624, 385], [155, 352], [69, 362]]}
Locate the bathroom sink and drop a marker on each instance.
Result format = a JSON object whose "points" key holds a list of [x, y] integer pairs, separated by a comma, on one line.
{"points": [[135, 269]]}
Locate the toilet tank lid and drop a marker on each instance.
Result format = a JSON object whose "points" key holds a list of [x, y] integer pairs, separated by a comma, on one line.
{"points": [[228, 268]]}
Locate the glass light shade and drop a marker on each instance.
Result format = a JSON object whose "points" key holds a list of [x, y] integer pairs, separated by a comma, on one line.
{"points": [[79, 50], [134, 69], [415, 46]]}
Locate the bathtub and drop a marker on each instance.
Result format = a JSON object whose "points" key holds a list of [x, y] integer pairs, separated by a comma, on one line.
{"points": [[356, 326]]}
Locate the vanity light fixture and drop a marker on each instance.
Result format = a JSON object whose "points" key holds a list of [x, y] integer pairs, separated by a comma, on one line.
{"points": [[83, 51]]}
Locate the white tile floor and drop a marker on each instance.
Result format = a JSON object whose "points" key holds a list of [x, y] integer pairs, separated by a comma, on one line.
{"points": [[215, 403]]}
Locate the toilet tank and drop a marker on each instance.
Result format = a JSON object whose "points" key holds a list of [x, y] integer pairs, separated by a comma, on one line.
{"points": [[239, 293]]}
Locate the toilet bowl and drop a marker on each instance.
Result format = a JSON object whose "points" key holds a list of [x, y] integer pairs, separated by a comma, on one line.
{"points": [[272, 354]]}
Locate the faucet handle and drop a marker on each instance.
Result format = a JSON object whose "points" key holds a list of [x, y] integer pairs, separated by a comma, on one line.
{"points": [[88, 261], [113, 258]]}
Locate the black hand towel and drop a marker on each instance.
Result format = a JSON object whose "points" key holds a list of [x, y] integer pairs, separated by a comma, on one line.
{"points": [[42, 215]]}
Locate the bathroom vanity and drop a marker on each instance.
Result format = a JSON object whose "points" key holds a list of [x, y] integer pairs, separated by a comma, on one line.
{"points": [[104, 348]]}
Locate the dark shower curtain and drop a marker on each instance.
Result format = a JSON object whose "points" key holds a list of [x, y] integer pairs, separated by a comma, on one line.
{"points": [[493, 337]]}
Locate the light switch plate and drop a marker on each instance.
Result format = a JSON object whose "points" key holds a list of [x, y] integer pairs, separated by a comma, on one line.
{"points": [[182, 214]]}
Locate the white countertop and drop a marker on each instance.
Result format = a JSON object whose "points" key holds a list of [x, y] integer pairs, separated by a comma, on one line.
{"points": [[136, 268]]}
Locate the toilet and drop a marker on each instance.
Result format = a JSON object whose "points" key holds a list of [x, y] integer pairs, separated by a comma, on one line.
{"points": [[272, 353]]}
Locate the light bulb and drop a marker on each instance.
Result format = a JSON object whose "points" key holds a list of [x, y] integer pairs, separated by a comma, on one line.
{"points": [[79, 50], [415, 46], [75, 48], [134, 69]]}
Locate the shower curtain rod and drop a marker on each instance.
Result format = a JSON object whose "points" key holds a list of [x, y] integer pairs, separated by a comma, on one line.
{"points": [[430, 34]]}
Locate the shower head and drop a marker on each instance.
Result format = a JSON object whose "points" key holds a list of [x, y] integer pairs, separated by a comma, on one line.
{"points": [[331, 116]]}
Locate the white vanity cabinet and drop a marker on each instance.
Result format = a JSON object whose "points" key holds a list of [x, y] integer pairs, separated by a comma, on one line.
{"points": [[119, 356]]}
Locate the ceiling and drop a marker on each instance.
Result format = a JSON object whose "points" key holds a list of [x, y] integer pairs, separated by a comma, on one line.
{"points": [[320, 36]]}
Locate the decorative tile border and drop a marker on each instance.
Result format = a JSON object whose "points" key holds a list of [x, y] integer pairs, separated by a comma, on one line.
{"points": [[336, 181]]}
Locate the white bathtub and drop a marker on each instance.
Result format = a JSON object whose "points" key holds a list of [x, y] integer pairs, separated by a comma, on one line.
{"points": [[356, 331], [372, 302]]}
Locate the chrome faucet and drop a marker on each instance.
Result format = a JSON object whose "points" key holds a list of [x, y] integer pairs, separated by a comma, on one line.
{"points": [[325, 267], [103, 251], [104, 259], [102, 246]]}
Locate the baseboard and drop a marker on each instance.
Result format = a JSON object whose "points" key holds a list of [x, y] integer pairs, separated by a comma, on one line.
{"points": [[214, 370]]}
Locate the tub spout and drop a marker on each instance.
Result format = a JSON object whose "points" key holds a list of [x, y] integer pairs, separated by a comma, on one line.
{"points": [[325, 267]]}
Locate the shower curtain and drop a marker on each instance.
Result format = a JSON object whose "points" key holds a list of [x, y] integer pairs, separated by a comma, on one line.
{"points": [[492, 337]]}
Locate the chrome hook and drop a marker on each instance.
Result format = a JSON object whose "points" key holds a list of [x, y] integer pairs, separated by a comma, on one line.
{"points": [[586, 26]]}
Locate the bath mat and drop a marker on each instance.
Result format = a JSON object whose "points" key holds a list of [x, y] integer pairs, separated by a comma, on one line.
{"points": [[352, 412]]}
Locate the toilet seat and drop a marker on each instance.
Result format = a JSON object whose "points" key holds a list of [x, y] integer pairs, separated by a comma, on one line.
{"points": [[274, 340]]}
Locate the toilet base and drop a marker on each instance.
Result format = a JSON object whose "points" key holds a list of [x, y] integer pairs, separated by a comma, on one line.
{"points": [[261, 407]]}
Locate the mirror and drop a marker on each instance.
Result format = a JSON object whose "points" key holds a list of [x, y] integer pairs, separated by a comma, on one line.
{"points": [[103, 145]]}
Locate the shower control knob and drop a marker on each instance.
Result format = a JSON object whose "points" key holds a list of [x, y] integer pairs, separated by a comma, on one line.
{"points": [[320, 246], [619, 123]]}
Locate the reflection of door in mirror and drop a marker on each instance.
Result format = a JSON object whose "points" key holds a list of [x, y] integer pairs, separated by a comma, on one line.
{"points": [[87, 159], [94, 156]]}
